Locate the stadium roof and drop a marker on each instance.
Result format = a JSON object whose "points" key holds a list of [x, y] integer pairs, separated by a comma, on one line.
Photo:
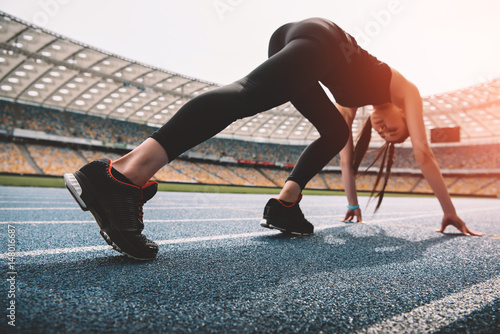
{"points": [[43, 68]]}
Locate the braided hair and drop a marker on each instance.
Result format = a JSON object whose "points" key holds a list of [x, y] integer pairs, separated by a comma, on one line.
{"points": [[387, 154]]}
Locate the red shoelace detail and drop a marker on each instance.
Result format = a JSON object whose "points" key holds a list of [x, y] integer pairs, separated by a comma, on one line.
{"points": [[141, 212]]}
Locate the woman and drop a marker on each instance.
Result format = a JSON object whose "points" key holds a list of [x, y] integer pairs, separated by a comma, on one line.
{"points": [[395, 121], [301, 55]]}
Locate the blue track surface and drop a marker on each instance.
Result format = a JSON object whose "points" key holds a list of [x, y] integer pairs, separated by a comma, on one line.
{"points": [[218, 271]]}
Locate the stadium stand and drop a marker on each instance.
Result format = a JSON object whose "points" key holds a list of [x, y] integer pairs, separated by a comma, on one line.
{"points": [[55, 160], [63, 103], [90, 155], [253, 176], [41, 119], [12, 160], [226, 175], [7, 125], [401, 183], [174, 172], [333, 181], [276, 176], [252, 163]]}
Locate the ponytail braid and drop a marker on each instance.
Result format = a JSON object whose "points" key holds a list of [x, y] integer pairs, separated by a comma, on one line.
{"points": [[362, 144], [390, 160], [387, 154]]}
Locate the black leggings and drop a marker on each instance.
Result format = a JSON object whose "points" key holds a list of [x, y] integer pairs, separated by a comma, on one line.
{"points": [[292, 73]]}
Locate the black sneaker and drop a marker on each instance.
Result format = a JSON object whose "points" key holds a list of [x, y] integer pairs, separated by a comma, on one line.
{"points": [[116, 207], [286, 218]]}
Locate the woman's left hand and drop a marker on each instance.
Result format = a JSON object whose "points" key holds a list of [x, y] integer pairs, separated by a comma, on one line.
{"points": [[458, 223], [351, 213]]}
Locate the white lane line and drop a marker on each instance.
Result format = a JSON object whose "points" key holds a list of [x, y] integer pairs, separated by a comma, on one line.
{"points": [[408, 218], [147, 208], [44, 208], [388, 221], [411, 215], [440, 313], [214, 237], [36, 222], [53, 251], [38, 202], [212, 207], [187, 220]]}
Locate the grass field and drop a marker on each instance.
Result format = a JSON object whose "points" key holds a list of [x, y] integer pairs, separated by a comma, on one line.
{"points": [[58, 182]]}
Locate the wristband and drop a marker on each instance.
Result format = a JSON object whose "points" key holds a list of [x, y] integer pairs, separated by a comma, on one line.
{"points": [[353, 207]]}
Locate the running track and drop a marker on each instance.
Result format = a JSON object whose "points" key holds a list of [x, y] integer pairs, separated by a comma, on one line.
{"points": [[217, 271]]}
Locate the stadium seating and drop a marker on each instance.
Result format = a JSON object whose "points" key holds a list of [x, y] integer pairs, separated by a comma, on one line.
{"points": [[252, 175], [333, 181], [56, 160], [7, 117], [173, 172], [94, 155], [12, 160]]}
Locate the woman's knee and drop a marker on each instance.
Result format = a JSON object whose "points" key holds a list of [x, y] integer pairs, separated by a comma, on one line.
{"points": [[336, 135]]}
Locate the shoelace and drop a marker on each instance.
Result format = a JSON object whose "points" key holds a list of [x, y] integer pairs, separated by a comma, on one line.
{"points": [[141, 211], [141, 215]]}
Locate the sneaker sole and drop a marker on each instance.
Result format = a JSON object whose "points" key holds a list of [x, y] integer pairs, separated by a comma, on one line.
{"points": [[110, 242], [75, 190], [265, 224], [83, 195]]}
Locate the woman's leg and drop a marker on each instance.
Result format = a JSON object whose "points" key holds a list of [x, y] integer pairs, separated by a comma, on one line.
{"points": [[284, 213], [287, 74], [142, 163], [315, 105]]}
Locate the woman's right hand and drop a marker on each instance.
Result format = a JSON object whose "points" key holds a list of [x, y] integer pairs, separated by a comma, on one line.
{"points": [[454, 220]]}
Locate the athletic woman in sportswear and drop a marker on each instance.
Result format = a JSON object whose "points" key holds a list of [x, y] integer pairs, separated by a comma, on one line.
{"points": [[302, 54], [394, 124]]}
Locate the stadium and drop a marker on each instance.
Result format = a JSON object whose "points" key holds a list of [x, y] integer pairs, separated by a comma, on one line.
{"points": [[64, 103]]}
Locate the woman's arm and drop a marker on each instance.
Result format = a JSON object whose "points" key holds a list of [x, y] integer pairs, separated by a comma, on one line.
{"points": [[423, 154], [348, 177], [407, 94]]}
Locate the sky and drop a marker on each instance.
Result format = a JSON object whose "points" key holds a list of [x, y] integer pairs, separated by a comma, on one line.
{"points": [[440, 45]]}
